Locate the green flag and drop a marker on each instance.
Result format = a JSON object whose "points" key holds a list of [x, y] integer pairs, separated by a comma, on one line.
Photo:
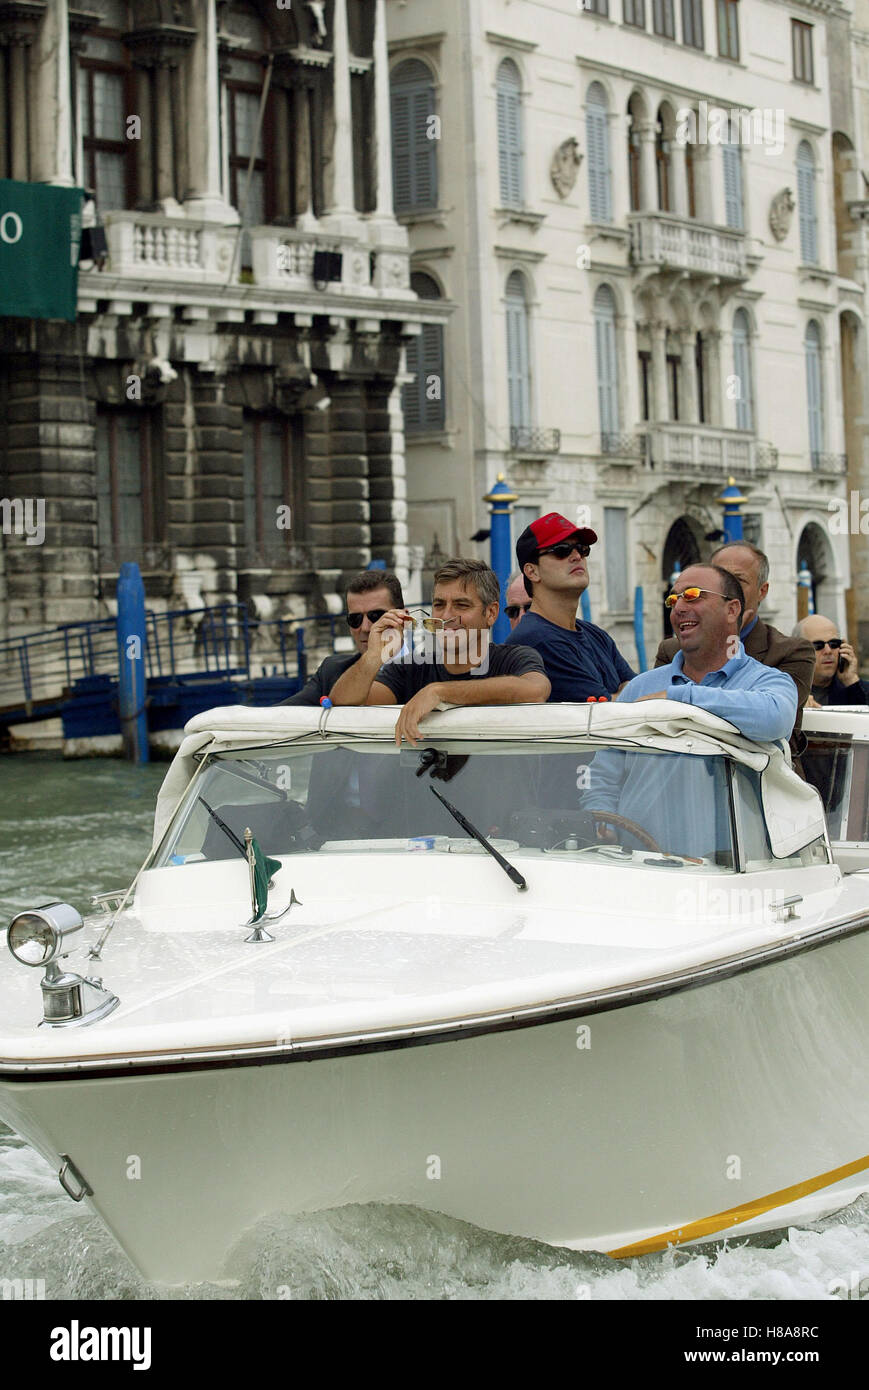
{"points": [[262, 869], [40, 231]]}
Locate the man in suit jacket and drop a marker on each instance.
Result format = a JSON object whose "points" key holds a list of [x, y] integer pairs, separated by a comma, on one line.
{"points": [[371, 594], [793, 655]]}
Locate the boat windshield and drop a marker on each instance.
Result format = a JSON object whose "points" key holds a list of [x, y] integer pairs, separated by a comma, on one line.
{"points": [[611, 804]]}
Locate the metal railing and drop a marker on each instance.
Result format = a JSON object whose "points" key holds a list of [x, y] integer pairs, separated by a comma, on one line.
{"points": [[38, 669], [836, 464], [534, 440]]}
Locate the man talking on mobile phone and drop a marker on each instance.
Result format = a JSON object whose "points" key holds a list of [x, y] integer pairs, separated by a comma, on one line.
{"points": [[835, 681]]}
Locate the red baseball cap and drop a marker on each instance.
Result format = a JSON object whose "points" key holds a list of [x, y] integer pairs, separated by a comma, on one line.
{"points": [[549, 530]]}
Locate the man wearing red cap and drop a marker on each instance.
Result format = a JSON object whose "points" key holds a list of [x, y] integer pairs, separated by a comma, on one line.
{"points": [[581, 660]]}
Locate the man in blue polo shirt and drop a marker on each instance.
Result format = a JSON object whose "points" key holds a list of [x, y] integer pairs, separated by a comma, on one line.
{"points": [[580, 659], [667, 794]]}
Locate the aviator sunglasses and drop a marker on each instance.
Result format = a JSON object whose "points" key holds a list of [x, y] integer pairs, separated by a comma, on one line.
{"points": [[691, 595], [833, 642]]}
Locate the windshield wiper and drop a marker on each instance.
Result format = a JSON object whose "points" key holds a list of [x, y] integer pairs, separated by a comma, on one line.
{"points": [[463, 821], [224, 827]]}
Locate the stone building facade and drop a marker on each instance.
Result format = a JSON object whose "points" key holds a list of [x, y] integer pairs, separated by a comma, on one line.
{"points": [[644, 214], [226, 410]]}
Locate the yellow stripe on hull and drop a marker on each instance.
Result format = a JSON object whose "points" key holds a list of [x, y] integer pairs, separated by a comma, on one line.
{"points": [[734, 1216]]}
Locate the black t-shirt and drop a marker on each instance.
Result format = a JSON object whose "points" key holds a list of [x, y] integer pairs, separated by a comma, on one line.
{"points": [[405, 677], [838, 694], [581, 663]]}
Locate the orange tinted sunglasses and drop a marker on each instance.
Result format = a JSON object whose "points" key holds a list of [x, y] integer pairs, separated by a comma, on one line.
{"points": [[690, 595]]}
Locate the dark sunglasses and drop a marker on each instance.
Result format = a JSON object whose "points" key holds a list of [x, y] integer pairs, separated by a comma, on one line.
{"points": [[354, 620], [565, 548], [514, 609], [834, 642]]}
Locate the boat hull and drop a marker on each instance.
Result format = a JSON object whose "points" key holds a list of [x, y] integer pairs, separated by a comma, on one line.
{"points": [[736, 1106]]}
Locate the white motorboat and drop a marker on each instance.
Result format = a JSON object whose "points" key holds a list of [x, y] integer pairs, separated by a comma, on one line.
{"points": [[836, 762], [635, 1016]]}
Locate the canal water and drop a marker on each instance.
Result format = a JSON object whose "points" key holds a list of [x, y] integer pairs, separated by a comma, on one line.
{"points": [[77, 828]]}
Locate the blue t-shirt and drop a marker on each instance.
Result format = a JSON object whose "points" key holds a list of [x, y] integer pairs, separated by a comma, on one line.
{"points": [[578, 664]]}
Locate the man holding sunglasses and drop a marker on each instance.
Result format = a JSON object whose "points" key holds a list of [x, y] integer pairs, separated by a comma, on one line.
{"points": [[580, 659], [835, 681], [371, 594], [711, 669]]}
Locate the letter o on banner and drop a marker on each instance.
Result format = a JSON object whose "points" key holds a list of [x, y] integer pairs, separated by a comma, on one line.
{"points": [[17, 224]]}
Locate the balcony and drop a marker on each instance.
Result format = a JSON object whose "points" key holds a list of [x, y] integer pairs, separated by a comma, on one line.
{"points": [[705, 451], [528, 439], [661, 241], [146, 246], [833, 465]]}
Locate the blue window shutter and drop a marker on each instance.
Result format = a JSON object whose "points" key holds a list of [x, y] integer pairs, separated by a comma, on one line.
{"points": [[414, 155], [733, 208], [806, 201], [425, 359], [742, 370], [814, 390], [607, 360], [597, 146], [509, 91], [518, 369]]}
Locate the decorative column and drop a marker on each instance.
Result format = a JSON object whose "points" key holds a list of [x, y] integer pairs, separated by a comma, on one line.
{"points": [[178, 77], [49, 100], [205, 198], [648, 173], [658, 333], [145, 146], [303, 194], [688, 374], [342, 148], [282, 107], [165, 180], [713, 352], [382, 123]]}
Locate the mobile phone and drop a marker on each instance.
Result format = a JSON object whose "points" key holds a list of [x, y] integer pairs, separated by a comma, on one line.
{"points": [[843, 662]]}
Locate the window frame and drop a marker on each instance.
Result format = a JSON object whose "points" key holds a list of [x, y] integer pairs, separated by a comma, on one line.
{"points": [[510, 118], [606, 355], [600, 194], [520, 399], [693, 31], [151, 495], [727, 24], [634, 13], [91, 145], [664, 19], [257, 552], [411, 88], [802, 52], [427, 421]]}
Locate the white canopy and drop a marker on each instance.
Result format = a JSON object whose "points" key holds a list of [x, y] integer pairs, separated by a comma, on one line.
{"points": [[794, 812]]}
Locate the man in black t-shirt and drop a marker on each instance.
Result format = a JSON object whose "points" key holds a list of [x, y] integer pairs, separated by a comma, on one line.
{"points": [[458, 664]]}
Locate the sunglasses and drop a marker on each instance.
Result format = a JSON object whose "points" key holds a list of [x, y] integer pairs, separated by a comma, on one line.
{"points": [[514, 609], [565, 548], [354, 620], [834, 642], [691, 595]]}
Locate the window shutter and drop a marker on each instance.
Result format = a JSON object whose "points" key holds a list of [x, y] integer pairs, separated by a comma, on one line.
{"points": [[597, 146], [607, 361], [806, 200], [510, 134], [518, 374], [414, 155], [733, 209], [742, 370], [814, 390], [425, 358]]}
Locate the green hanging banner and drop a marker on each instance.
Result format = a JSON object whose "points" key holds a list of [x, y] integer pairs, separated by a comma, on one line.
{"points": [[40, 232]]}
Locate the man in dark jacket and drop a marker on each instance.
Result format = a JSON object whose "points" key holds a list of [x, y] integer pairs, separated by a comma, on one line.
{"points": [[793, 655], [835, 680], [371, 594]]}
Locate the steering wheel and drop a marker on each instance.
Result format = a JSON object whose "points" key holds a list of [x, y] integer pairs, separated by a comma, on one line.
{"points": [[610, 818]]}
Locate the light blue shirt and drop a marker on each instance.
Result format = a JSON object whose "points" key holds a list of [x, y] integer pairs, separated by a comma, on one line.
{"points": [[758, 700]]}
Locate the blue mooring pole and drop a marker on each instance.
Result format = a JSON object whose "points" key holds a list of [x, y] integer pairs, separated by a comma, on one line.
{"points": [[131, 663], [639, 637], [732, 501], [500, 501]]}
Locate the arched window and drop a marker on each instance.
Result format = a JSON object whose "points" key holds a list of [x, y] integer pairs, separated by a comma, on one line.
{"points": [[518, 361], [509, 87], [607, 366], [414, 155], [742, 371], [814, 392], [807, 205], [423, 399], [663, 165], [734, 214], [635, 172], [598, 150]]}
